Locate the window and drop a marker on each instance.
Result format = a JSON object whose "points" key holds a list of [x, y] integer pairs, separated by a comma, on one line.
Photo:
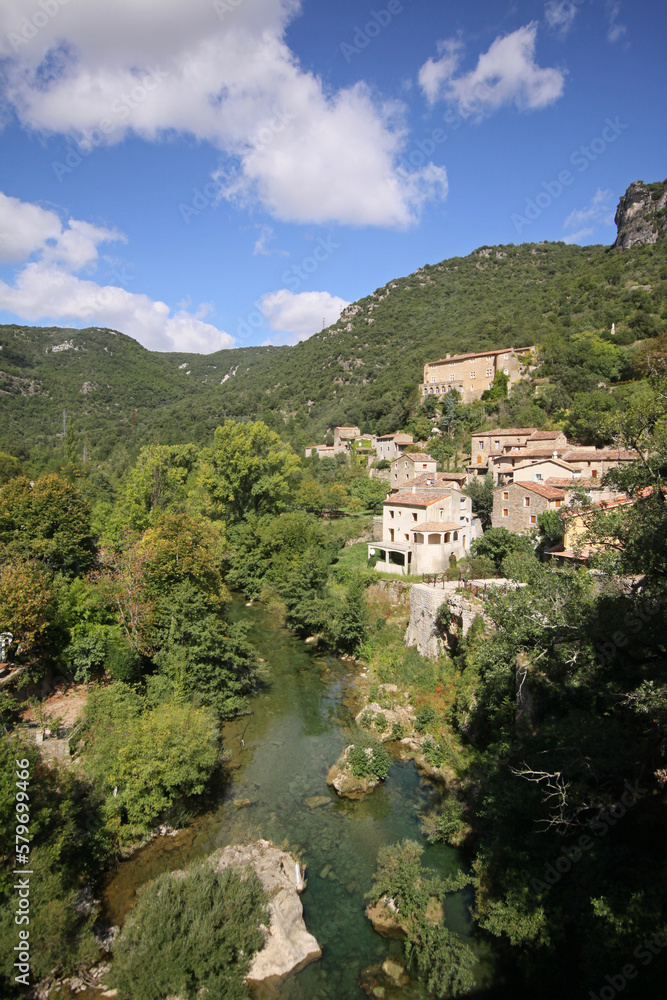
{"points": [[414, 516], [473, 374], [442, 514], [407, 537], [481, 445], [594, 474], [432, 378], [506, 495], [462, 501], [391, 513], [558, 503], [489, 372], [451, 378], [539, 477], [489, 357], [533, 519], [506, 371], [526, 501], [506, 512], [496, 444], [505, 356]]}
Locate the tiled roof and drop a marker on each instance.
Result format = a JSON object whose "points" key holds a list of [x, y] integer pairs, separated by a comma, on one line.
{"points": [[403, 439], [418, 456], [603, 455], [573, 483], [480, 354], [555, 461], [548, 492], [515, 431], [348, 430], [439, 479], [545, 435], [436, 526], [406, 499]]}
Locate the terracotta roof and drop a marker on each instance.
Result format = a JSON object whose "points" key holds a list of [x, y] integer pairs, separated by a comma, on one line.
{"points": [[572, 483], [505, 430], [398, 438], [406, 499], [348, 430], [555, 461], [548, 492], [480, 354], [545, 435], [436, 479], [603, 455], [437, 526], [418, 456]]}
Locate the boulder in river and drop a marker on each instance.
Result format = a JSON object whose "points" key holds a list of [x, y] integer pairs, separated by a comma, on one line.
{"points": [[288, 946]]}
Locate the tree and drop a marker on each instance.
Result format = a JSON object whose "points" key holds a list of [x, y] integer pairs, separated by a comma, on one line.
{"points": [[496, 543], [27, 609], [499, 388], [551, 526], [249, 470], [47, 520], [9, 467], [156, 484], [190, 934], [481, 494]]}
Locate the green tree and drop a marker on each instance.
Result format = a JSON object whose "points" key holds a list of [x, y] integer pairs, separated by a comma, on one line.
{"points": [[496, 543], [249, 470], [47, 520], [191, 933], [480, 492]]}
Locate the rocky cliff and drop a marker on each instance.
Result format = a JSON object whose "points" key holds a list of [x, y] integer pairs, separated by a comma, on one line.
{"points": [[641, 216]]}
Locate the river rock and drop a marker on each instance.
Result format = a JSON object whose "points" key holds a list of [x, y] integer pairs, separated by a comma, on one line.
{"points": [[342, 778], [315, 801], [288, 946]]}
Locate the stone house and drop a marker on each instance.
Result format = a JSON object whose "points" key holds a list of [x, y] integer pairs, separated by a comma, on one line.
{"points": [[516, 506], [391, 446], [325, 450], [422, 528], [471, 374], [410, 465], [500, 441], [577, 522], [448, 480], [344, 435], [594, 462]]}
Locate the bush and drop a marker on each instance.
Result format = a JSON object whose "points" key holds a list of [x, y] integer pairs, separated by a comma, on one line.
{"points": [[433, 752], [398, 731], [380, 722], [369, 760], [425, 717], [191, 933], [366, 720]]}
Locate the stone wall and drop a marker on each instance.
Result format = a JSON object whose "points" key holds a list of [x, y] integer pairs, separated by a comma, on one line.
{"points": [[425, 600]]}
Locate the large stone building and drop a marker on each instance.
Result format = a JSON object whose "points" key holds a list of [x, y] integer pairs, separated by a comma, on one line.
{"points": [[390, 446], [471, 374], [410, 465], [421, 528], [344, 435], [516, 506]]}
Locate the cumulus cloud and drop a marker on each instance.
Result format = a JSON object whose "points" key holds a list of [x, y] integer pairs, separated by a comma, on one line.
{"points": [[299, 315], [223, 73], [47, 289], [506, 74], [560, 15]]}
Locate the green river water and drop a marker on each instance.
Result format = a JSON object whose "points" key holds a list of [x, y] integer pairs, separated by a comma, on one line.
{"points": [[295, 733]]}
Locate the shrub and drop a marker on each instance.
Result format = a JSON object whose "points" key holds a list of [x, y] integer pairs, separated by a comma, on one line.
{"points": [[433, 752], [398, 731], [369, 761], [380, 722], [425, 717], [191, 933], [366, 720]]}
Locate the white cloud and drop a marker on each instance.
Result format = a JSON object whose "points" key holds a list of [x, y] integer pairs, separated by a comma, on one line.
{"points": [[437, 72], [600, 211], [156, 67], [506, 74], [266, 235], [300, 314], [579, 236], [46, 289], [615, 30], [560, 15]]}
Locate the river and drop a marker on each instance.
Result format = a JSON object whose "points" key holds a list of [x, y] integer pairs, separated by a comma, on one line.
{"points": [[295, 733]]}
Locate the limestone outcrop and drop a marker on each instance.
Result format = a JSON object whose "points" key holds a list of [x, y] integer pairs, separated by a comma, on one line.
{"points": [[288, 946], [641, 216]]}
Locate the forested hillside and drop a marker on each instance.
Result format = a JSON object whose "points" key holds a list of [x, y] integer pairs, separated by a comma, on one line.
{"points": [[362, 370]]}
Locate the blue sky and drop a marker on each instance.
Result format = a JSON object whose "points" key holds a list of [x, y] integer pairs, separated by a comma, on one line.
{"points": [[214, 173]]}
